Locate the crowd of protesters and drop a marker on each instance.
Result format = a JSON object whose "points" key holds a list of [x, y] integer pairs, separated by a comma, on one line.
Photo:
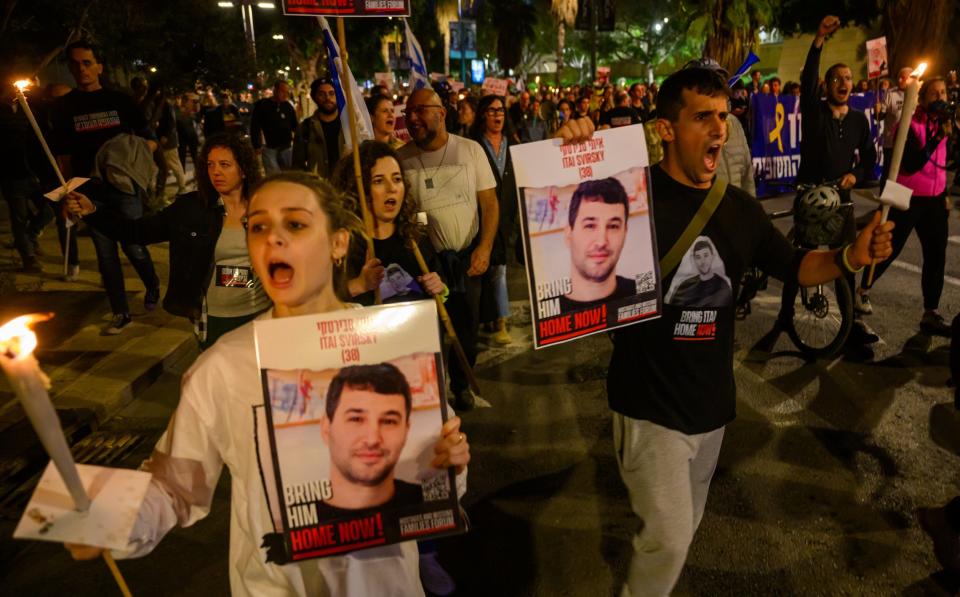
{"points": [[451, 160]]}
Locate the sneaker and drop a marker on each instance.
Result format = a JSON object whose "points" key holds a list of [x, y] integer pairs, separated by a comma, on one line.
{"points": [[861, 303], [31, 266], [151, 298], [932, 324], [501, 336], [946, 541], [73, 273], [435, 579], [861, 334], [117, 325], [464, 400]]}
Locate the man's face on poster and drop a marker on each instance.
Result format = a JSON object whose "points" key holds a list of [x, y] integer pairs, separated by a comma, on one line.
{"points": [[596, 238], [366, 435], [397, 281], [703, 259]]}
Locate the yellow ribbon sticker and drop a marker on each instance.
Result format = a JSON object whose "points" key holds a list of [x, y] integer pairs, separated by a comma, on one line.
{"points": [[775, 133]]}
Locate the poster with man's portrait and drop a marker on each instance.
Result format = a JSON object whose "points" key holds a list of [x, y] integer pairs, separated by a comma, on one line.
{"points": [[587, 233], [353, 407]]}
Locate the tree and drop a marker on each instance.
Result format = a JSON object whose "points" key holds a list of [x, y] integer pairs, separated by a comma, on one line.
{"points": [[731, 28], [565, 14], [513, 21], [917, 31]]}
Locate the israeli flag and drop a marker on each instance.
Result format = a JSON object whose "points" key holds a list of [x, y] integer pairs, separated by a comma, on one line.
{"points": [[418, 66], [335, 65]]}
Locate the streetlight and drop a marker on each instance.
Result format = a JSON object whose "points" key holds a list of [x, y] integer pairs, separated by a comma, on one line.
{"points": [[246, 13]]}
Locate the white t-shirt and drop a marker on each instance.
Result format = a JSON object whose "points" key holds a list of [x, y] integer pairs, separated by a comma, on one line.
{"points": [[214, 425], [444, 183]]}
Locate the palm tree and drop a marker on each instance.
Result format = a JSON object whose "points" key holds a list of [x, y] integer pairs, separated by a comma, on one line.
{"points": [[731, 28], [565, 14]]}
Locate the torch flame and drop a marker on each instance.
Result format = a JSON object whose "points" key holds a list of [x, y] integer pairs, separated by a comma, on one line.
{"points": [[22, 84], [922, 68], [17, 340]]}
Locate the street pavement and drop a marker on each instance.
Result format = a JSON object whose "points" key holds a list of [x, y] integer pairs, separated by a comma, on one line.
{"points": [[814, 493]]}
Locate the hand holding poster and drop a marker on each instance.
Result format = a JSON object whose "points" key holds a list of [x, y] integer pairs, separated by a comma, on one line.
{"points": [[354, 409], [588, 234]]}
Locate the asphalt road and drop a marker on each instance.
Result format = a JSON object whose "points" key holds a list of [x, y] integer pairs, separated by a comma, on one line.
{"points": [[814, 494]]}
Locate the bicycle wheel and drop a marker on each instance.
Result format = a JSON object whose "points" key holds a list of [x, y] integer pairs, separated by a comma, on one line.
{"points": [[822, 319]]}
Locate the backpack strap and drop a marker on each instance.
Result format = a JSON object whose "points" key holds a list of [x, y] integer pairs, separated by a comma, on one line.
{"points": [[671, 260]]}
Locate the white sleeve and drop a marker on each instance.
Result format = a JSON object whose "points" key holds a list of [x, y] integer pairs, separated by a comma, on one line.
{"points": [[185, 464]]}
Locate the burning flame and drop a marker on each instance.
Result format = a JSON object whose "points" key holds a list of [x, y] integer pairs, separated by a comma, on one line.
{"points": [[17, 340], [920, 70], [21, 85]]}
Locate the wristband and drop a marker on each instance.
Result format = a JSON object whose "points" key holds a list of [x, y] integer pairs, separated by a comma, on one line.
{"points": [[445, 293], [846, 262]]}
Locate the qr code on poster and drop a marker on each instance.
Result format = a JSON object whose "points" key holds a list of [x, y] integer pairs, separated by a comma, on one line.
{"points": [[436, 488], [645, 282]]}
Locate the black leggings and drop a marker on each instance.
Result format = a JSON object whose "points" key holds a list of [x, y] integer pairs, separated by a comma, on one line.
{"points": [[929, 216]]}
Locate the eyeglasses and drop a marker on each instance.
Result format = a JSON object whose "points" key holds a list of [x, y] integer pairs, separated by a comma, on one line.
{"points": [[844, 79], [496, 110], [418, 110]]}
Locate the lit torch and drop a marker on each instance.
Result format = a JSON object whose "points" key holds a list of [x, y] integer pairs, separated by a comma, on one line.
{"points": [[17, 343]]}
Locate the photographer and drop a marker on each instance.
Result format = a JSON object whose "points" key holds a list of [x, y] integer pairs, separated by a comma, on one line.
{"points": [[924, 171]]}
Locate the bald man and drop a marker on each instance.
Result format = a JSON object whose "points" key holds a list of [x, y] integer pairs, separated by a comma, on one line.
{"points": [[449, 177]]}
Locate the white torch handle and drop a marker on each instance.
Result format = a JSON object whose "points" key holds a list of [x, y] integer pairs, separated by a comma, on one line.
{"points": [[36, 129], [28, 383], [903, 129]]}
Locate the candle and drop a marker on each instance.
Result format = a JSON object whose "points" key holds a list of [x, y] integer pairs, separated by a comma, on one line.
{"points": [[910, 97], [21, 85], [17, 343]]}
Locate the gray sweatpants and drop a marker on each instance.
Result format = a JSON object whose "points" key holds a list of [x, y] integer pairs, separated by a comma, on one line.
{"points": [[667, 474]]}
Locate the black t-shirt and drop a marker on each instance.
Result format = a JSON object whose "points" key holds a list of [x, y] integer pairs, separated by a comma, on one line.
{"points": [[276, 121], [400, 282], [331, 137], [830, 148], [84, 120], [625, 288], [622, 116], [677, 371]]}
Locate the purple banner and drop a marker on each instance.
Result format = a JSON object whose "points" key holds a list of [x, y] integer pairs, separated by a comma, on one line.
{"points": [[775, 143]]}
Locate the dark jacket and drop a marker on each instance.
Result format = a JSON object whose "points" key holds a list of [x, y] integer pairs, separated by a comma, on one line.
{"points": [[506, 199], [192, 227]]}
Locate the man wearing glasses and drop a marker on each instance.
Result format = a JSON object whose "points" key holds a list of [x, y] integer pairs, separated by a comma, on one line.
{"points": [[318, 143], [449, 177], [835, 145]]}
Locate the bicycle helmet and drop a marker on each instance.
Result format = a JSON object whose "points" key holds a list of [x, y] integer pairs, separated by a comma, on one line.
{"points": [[817, 218]]}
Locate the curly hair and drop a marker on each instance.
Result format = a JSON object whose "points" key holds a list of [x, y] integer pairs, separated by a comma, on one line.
{"points": [[344, 179], [243, 154], [479, 126], [339, 208]]}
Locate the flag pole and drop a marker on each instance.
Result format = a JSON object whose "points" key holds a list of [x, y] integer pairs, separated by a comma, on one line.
{"points": [[368, 223]]}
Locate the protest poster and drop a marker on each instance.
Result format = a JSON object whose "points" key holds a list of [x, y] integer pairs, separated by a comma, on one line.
{"points": [[775, 143], [494, 86], [387, 79], [877, 58], [400, 123], [353, 407], [587, 232], [347, 8]]}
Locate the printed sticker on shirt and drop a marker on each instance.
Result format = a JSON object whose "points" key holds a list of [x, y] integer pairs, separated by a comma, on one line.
{"points": [[399, 285], [698, 324], [234, 276], [84, 123], [701, 280]]}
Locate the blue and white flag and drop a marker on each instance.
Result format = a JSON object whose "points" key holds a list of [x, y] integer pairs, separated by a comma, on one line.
{"points": [[750, 61], [335, 65], [418, 66]]}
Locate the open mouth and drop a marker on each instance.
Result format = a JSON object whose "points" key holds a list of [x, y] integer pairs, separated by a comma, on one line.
{"points": [[281, 273], [712, 157], [390, 202]]}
